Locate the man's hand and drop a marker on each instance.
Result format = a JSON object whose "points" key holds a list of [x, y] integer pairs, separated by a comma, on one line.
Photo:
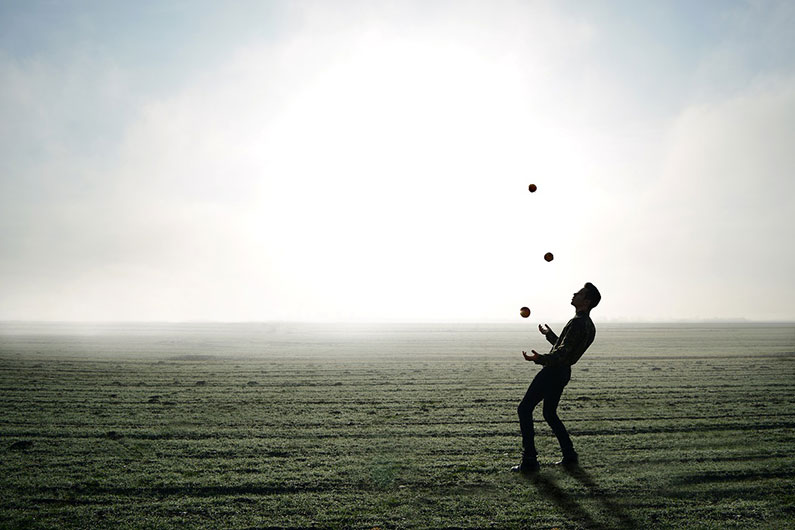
{"points": [[544, 330], [533, 357]]}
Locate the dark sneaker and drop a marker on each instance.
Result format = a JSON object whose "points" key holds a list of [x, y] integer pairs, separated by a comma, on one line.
{"points": [[569, 462], [526, 468]]}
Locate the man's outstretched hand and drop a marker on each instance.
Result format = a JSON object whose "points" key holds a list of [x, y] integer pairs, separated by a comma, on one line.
{"points": [[533, 357], [544, 330]]}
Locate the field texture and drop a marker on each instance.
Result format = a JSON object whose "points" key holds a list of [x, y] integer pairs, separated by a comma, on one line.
{"points": [[265, 426]]}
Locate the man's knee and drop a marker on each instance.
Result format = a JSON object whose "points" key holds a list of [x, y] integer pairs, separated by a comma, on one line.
{"points": [[524, 409], [551, 414]]}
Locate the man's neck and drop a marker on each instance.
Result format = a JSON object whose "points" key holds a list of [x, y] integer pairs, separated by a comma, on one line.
{"points": [[581, 312]]}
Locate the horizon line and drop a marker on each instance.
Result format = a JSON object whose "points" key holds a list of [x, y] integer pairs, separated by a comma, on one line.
{"points": [[739, 320]]}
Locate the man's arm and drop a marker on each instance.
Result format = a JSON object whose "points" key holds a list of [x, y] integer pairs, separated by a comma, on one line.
{"points": [[548, 333]]}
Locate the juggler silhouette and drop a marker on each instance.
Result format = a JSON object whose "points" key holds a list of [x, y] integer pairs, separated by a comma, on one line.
{"points": [[548, 384]]}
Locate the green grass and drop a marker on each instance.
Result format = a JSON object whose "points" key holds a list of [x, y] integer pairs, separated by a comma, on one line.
{"points": [[303, 436]]}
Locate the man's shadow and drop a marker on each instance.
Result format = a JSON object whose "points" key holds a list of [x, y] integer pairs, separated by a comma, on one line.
{"points": [[549, 488]]}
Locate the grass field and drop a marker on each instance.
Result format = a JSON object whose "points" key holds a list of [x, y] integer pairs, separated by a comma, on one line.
{"points": [[394, 427]]}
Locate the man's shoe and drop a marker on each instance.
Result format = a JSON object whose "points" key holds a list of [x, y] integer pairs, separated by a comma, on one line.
{"points": [[569, 462], [527, 468]]}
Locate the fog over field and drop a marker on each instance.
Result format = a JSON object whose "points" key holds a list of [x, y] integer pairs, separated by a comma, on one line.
{"points": [[386, 340]]}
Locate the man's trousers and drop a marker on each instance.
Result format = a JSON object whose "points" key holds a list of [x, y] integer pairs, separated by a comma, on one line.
{"points": [[547, 387]]}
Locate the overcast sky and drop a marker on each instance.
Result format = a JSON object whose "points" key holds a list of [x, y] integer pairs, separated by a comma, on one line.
{"points": [[369, 161]]}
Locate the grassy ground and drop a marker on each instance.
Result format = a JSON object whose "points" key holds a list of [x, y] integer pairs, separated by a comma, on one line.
{"points": [[380, 438]]}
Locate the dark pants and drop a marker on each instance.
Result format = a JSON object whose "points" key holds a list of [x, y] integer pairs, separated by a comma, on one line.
{"points": [[547, 387]]}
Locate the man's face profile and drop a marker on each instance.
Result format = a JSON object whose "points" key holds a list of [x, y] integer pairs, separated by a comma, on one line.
{"points": [[579, 299]]}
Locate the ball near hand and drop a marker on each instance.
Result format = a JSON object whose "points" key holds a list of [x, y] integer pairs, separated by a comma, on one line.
{"points": [[525, 312]]}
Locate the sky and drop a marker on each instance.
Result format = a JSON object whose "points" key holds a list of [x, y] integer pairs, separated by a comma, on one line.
{"points": [[370, 161]]}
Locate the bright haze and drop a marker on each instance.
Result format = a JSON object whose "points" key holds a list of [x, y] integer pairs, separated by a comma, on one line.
{"points": [[370, 161]]}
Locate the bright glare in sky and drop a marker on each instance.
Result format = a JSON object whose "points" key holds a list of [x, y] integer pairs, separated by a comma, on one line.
{"points": [[370, 161]]}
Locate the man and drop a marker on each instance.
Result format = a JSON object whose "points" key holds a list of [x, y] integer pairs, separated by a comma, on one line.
{"points": [[549, 382]]}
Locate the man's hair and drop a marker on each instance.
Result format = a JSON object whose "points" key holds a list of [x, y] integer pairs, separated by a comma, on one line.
{"points": [[592, 294]]}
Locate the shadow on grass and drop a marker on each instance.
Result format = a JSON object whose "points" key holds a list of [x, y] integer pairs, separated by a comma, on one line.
{"points": [[568, 504], [613, 507]]}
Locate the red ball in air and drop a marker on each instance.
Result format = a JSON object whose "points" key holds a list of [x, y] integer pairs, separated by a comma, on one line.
{"points": [[532, 188], [525, 312], [548, 256]]}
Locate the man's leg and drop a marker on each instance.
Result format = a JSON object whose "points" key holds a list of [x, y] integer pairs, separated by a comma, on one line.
{"points": [[551, 400], [533, 396]]}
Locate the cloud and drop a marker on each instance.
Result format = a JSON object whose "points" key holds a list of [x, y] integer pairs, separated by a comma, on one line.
{"points": [[355, 160], [710, 238], [372, 163]]}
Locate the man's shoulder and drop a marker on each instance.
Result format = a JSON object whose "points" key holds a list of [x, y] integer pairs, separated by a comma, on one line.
{"points": [[589, 325], [583, 320]]}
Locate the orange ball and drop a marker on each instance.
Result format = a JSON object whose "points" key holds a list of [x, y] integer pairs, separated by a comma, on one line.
{"points": [[548, 256], [532, 188], [525, 312]]}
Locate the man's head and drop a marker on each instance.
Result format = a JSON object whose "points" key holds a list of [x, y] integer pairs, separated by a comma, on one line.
{"points": [[586, 298]]}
